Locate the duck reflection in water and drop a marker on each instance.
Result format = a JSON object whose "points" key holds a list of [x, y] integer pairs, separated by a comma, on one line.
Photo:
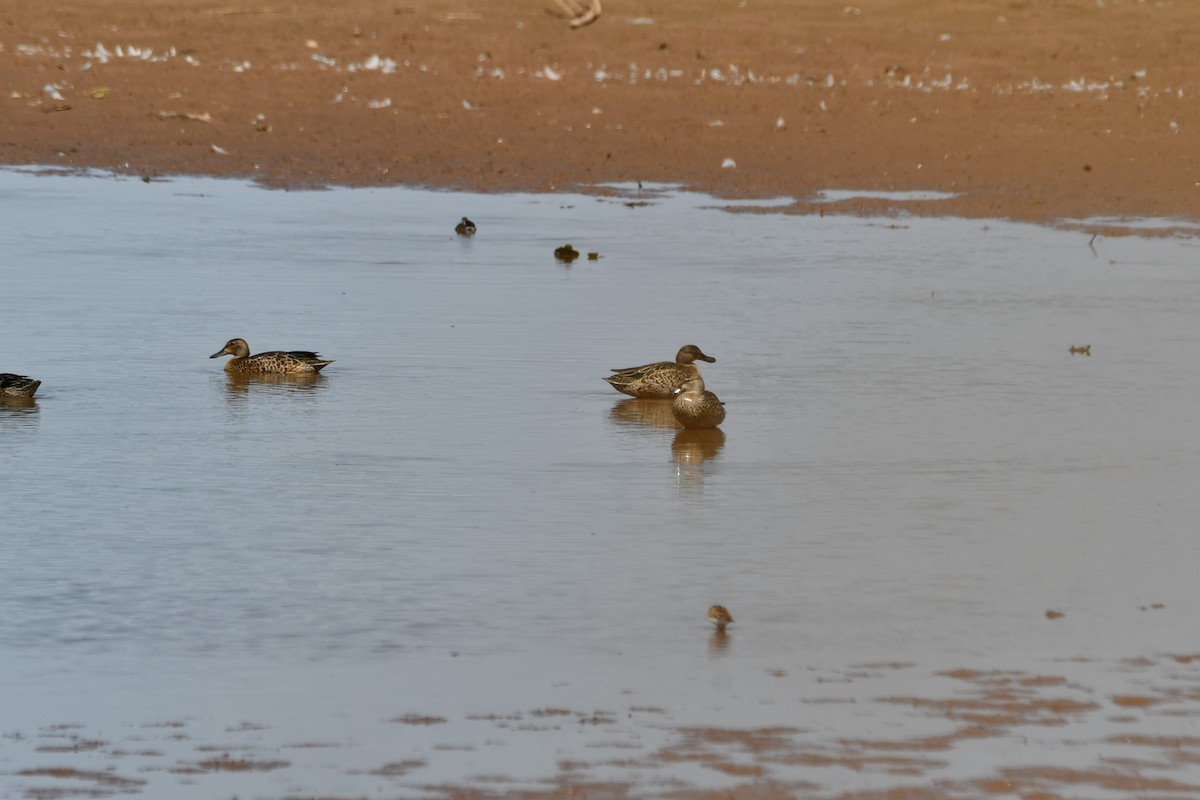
{"points": [[644, 412], [17, 406], [240, 386], [692, 446], [690, 450], [718, 643]]}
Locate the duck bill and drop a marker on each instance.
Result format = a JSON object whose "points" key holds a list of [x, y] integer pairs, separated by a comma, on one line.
{"points": [[220, 352], [709, 359]]}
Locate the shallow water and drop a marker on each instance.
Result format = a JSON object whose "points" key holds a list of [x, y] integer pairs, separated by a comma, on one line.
{"points": [[461, 519]]}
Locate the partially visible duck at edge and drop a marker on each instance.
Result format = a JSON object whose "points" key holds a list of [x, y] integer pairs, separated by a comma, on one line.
{"points": [[17, 385], [694, 407], [274, 362], [661, 378], [465, 228]]}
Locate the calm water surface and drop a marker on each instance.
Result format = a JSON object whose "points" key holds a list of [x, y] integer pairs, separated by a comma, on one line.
{"points": [[460, 518]]}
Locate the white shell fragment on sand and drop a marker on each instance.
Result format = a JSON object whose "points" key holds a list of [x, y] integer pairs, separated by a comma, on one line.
{"points": [[728, 163]]}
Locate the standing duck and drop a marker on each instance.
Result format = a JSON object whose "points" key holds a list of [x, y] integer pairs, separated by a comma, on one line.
{"points": [[694, 407], [276, 362], [17, 385], [661, 378]]}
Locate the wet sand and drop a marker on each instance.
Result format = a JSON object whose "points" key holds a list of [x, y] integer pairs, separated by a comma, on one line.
{"points": [[1030, 111]]}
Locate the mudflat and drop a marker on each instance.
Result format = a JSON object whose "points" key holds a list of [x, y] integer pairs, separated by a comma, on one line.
{"points": [[1024, 110]]}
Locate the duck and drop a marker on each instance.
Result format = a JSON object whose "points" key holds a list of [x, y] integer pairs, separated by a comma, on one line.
{"points": [[662, 378], [694, 407], [465, 228], [17, 385], [719, 616], [566, 253], [277, 362]]}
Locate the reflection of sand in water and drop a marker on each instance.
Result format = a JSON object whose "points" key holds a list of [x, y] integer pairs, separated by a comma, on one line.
{"points": [[641, 411], [1076, 744], [697, 446]]}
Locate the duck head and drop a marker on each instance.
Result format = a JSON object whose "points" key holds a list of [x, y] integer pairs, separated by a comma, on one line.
{"points": [[691, 385], [234, 347], [689, 353]]}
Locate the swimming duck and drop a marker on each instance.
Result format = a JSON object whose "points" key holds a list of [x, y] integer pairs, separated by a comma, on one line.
{"points": [[17, 385], [719, 616], [694, 407], [465, 228], [278, 362], [661, 378], [566, 253]]}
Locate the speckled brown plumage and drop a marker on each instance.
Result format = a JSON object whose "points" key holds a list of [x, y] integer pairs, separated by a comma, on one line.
{"points": [[17, 385], [719, 616], [661, 378], [694, 407], [274, 362]]}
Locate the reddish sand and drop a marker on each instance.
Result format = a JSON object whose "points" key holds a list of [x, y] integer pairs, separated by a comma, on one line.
{"points": [[1028, 110]]}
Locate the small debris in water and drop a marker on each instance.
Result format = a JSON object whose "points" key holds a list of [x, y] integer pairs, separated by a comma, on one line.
{"points": [[1085, 350], [593, 256], [1051, 614]]}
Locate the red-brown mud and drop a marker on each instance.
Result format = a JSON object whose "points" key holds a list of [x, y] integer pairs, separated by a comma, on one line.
{"points": [[1028, 110]]}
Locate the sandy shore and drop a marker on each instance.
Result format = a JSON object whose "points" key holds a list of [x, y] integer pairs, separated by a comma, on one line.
{"points": [[1035, 111]]}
